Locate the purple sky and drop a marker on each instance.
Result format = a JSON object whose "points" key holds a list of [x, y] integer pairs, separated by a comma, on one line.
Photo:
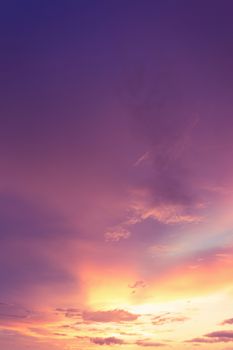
{"points": [[116, 148]]}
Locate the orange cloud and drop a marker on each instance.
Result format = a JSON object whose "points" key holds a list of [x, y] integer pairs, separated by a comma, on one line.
{"points": [[109, 316], [168, 318]]}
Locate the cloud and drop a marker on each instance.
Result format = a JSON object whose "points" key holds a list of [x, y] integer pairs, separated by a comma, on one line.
{"points": [[167, 191], [200, 340], [228, 321], [70, 312], [138, 284], [13, 339], [142, 207], [13, 312], [145, 204], [221, 335], [116, 234], [149, 343], [169, 180], [214, 337], [13, 334], [107, 341], [160, 249], [164, 213], [142, 158], [168, 318], [40, 331], [109, 316]]}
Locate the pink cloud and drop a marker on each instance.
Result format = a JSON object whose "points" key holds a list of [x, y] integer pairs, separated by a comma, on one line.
{"points": [[107, 341], [228, 321], [115, 234], [221, 335], [214, 337], [149, 343], [201, 340], [109, 316]]}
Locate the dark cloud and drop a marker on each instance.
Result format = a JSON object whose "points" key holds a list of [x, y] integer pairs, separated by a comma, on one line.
{"points": [[107, 341]]}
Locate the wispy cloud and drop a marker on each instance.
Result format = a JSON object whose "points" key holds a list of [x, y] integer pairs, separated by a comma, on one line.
{"points": [[138, 284], [168, 318], [70, 312], [142, 158], [116, 234], [109, 316], [14, 312], [143, 208]]}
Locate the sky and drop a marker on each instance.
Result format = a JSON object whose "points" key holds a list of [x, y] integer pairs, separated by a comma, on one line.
{"points": [[116, 185]]}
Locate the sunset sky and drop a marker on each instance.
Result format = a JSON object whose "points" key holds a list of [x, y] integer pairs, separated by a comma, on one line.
{"points": [[116, 175]]}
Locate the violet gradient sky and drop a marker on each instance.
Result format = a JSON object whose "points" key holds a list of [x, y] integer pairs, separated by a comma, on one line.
{"points": [[116, 165]]}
